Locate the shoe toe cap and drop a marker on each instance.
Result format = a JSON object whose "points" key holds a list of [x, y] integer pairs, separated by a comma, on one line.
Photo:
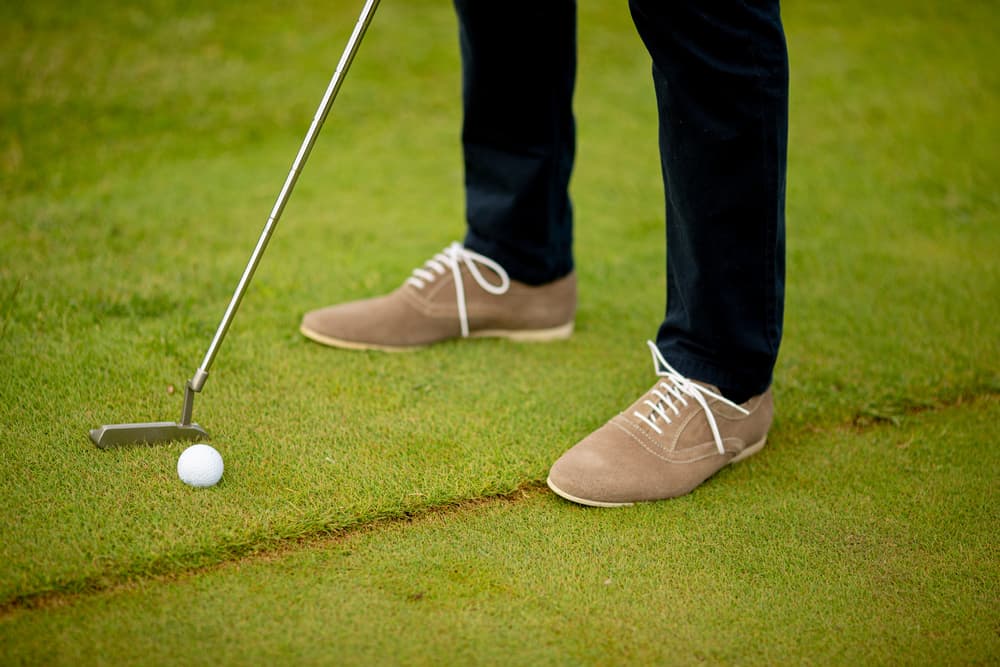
{"points": [[591, 473], [610, 468]]}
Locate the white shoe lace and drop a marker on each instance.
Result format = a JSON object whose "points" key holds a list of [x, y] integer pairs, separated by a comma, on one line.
{"points": [[676, 387], [451, 258]]}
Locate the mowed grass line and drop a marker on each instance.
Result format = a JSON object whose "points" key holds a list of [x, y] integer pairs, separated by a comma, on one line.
{"points": [[881, 550], [136, 177]]}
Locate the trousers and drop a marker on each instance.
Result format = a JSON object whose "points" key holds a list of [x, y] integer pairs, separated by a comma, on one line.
{"points": [[720, 73]]}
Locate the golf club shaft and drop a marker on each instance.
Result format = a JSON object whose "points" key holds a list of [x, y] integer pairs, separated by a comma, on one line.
{"points": [[198, 381]]}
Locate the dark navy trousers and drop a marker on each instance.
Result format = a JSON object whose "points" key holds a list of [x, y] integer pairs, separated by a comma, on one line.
{"points": [[720, 72]]}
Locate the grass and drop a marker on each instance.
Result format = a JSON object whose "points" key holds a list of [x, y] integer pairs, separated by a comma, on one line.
{"points": [[849, 564], [140, 151]]}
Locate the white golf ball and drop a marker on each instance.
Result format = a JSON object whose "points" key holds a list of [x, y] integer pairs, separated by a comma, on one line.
{"points": [[200, 466]]}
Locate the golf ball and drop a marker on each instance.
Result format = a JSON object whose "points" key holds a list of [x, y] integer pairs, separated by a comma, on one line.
{"points": [[200, 466]]}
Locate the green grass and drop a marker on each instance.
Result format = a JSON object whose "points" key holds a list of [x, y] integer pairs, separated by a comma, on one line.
{"points": [[140, 152], [872, 555]]}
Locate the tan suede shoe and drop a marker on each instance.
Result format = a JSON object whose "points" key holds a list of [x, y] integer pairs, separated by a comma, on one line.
{"points": [[677, 435], [449, 297]]}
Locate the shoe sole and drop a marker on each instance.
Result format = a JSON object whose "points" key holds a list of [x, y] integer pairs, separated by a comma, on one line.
{"points": [[746, 453], [582, 501], [561, 332]]}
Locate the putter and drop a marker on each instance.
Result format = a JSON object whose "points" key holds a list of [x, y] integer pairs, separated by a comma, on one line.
{"points": [[113, 435]]}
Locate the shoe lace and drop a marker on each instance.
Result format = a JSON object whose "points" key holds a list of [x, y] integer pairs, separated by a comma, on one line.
{"points": [[452, 257], [674, 391]]}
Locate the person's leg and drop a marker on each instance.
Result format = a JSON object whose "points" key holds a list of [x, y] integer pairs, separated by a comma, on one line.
{"points": [[513, 277], [720, 70], [518, 71], [721, 75]]}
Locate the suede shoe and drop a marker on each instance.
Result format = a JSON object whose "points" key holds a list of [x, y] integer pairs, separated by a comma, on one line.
{"points": [[677, 435], [456, 294]]}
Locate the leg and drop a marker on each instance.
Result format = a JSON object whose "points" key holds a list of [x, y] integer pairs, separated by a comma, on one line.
{"points": [[518, 70], [513, 278], [720, 70], [721, 75]]}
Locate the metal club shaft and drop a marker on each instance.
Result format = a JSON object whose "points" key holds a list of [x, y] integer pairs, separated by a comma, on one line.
{"points": [[198, 380], [114, 435]]}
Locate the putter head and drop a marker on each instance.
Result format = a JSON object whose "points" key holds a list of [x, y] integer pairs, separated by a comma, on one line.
{"points": [[116, 435]]}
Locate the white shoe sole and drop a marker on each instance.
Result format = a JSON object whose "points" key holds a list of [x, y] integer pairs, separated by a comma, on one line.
{"points": [[582, 501], [561, 332]]}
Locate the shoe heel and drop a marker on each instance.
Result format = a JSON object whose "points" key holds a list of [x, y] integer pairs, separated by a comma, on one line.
{"points": [[749, 451], [561, 332]]}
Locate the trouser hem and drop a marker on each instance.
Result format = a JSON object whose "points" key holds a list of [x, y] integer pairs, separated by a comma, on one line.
{"points": [[736, 385]]}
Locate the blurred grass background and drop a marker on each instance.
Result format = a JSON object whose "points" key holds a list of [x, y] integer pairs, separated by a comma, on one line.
{"points": [[142, 146]]}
